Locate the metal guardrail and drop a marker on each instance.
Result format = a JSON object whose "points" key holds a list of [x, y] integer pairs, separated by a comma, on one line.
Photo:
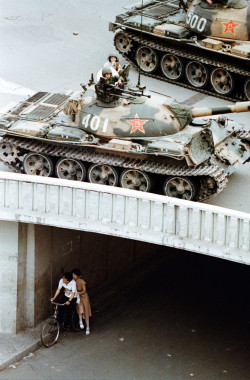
{"points": [[192, 226]]}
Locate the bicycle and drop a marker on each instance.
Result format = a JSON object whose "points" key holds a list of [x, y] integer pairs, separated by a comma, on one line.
{"points": [[51, 328]]}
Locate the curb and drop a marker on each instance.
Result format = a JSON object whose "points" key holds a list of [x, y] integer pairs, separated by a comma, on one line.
{"points": [[20, 354]]}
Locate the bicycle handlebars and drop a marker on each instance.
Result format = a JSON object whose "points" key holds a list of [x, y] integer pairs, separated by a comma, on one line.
{"points": [[55, 303]]}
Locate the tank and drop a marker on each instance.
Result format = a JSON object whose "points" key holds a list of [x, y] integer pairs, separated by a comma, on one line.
{"points": [[124, 137], [194, 44]]}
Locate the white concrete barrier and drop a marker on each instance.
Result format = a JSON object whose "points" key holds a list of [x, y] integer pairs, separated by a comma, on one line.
{"points": [[191, 226]]}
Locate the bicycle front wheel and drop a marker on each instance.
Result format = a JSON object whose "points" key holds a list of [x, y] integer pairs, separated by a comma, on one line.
{"points": [[50, 332]]}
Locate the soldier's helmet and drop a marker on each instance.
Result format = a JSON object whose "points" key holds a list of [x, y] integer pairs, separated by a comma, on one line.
{"points": [[113, 55], [106, 70]]}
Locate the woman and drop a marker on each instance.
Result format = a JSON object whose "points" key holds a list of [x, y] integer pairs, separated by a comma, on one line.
{"points": [[83, 308]]}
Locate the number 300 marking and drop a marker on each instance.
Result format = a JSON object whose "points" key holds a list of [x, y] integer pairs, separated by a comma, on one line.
{"points": [[196, 22]]}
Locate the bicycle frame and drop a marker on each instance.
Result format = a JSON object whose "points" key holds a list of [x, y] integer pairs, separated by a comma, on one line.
{"points": [[56, 309]]}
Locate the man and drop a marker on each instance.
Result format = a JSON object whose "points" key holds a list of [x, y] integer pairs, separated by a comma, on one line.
{"points": [[69, 297], [102, 85], [110, 78]]}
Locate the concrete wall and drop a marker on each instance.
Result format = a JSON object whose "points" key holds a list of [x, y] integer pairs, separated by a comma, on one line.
{"points": [[33, 258], [8, 274], [17, 276], [22, 275], [43, 272], [101, 258]]}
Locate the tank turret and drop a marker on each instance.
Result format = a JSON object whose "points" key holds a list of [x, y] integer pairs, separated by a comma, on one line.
{"points": [[202, 45], [149, 145]]}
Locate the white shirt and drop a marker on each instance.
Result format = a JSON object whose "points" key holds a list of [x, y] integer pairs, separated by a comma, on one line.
{"points": [[113, 66], [70, 288]]}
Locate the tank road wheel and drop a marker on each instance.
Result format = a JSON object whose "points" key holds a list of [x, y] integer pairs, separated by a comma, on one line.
{"points": [[122, 43], [135, 180], [180, 187], [247, 88], [172, 67], [103, 175], [8, 153], [197, 74], [70, 169], [222, 81], [147, 59], [38, 164]]}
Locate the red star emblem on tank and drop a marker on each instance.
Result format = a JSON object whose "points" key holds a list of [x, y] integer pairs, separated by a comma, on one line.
{"points": [[137, 123], [229, 26]]}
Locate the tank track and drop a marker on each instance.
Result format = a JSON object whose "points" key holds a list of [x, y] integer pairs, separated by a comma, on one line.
{"points": [[150, 166], [184, 53]]}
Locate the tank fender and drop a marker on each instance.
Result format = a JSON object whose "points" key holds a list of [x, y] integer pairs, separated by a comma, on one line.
{"points": [[227, 146], [4, 125], [194, 144]]}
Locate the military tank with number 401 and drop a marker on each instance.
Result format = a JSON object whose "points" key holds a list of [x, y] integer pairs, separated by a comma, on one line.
{"points": [[114, 136], [199, 44]]}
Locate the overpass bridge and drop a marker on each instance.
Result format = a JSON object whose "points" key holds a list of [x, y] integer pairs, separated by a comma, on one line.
{"points": [[30, 201], [196, 227]]}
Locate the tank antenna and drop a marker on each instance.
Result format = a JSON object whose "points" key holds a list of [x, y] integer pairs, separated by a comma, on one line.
{"points": [[139, 74]]}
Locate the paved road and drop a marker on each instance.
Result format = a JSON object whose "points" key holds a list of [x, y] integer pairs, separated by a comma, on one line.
{"points": [[191, 320], [40, 52]]}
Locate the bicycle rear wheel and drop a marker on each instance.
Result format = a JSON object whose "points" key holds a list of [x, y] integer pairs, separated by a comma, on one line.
{"points": [[50, 332]]}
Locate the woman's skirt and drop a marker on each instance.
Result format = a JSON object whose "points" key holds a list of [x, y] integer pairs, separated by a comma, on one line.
{"points": [[84, 306]]}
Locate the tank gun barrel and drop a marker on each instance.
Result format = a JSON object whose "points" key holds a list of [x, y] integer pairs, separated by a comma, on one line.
{"points": [[237, 107]]}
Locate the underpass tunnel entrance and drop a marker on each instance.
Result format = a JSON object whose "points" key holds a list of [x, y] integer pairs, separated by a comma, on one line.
{"points": [[33, 258], [186, 311], [179, 311], [107, 263], [113, 266]]}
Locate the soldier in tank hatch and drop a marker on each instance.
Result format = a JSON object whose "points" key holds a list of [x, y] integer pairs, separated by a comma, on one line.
{"points": [[113, 62], [107, 78]]}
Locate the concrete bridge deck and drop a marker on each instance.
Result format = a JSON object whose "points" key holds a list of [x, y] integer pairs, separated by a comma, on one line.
{"points": [[157, 219]]}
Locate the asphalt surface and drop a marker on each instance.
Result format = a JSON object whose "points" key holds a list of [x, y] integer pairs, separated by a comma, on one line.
{"points": [[54, 45], [190, 320]]}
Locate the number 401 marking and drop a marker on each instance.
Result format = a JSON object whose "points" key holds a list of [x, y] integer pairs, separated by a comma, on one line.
{"points": [[93, 122]]}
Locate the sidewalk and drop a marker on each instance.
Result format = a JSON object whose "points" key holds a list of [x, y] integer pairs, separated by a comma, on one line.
{"points": [[13, 347]]}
